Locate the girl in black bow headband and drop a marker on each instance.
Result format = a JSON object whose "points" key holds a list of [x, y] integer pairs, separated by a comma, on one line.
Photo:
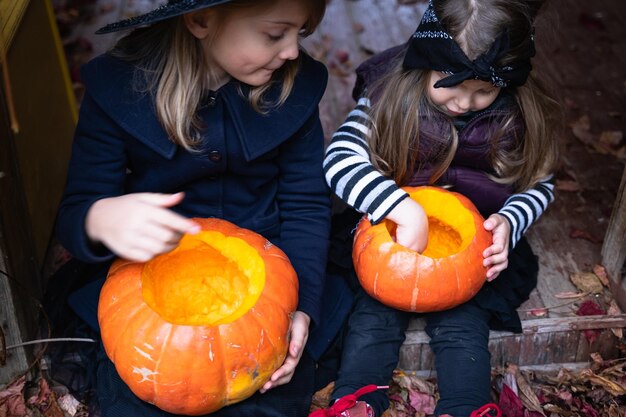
{"points": [[457, 106]]}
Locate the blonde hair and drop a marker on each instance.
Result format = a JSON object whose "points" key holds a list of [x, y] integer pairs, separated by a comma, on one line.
{"points": [[170, 64], [394, 141]]}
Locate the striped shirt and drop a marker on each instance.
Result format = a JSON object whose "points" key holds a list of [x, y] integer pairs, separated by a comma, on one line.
{"points": [[351, 175]]}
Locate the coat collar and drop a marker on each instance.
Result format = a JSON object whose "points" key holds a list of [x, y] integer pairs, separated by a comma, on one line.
{"points": [[108, 82]]}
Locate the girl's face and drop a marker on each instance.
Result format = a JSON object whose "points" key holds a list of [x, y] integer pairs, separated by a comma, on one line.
{"points": [[470, 95], [253, 43]]}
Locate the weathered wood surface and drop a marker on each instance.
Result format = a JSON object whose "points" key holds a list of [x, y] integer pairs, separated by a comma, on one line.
{"points": [[614, 246]]}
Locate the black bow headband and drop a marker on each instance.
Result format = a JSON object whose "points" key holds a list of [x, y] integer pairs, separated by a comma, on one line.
{"points": [[432, 48]]}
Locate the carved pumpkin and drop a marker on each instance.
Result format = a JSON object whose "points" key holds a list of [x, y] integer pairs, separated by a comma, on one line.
{"points": [[449, 272], [202, 326]]}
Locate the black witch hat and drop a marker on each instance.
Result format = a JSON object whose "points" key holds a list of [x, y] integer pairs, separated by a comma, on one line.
{"points": [[171, 9]]}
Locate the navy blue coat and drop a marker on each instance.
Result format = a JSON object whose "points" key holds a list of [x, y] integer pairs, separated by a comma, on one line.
{"points": [[261, 172]]}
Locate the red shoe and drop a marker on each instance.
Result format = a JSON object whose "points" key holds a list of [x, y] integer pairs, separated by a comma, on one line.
{"points": [[348, 406], [360, 409], [487, 410]]}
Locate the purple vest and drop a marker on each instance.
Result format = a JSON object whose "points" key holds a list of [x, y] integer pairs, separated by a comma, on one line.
{"points": [[469, 171]]}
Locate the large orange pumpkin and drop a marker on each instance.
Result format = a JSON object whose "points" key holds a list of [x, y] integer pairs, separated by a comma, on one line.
{"points": [[202, 326], [449, 272]]}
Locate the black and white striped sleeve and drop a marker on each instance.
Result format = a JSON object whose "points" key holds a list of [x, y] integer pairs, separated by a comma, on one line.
{"points": [[523, 209], [350, 173]]}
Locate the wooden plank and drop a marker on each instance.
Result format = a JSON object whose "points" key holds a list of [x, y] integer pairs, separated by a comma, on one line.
{"points": [[17, 317], [508, 351], [548, 340], [547, 325], [39, 77], [411, 357], [562, 346], [11, 12], [16, 359], [614, 246]]}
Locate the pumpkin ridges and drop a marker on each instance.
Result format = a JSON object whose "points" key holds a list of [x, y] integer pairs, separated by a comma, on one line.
{"points": [[192, 368], [125, 356], [116, 312], [244, 357]]}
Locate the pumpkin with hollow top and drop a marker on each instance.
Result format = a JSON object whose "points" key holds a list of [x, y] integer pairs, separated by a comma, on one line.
{"points": [[204, 325], [449, 272]]}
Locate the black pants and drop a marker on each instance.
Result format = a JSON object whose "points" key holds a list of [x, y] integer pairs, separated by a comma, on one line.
{"points": [[290, 400], [460, 336], [366, 351], [459, 339]]}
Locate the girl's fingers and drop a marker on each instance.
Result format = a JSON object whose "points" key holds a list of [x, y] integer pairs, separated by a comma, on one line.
{"points": [[161, 200], [166, 219]]}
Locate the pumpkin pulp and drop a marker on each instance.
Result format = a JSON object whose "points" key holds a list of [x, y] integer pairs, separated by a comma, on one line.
{"points": [[208, 280], [450, 225]]}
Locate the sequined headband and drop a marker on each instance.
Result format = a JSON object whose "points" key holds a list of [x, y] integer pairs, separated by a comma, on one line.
{"points": [[432, 48]]}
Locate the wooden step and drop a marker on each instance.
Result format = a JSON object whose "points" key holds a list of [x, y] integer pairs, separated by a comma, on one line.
{"points": [[545, 341]]}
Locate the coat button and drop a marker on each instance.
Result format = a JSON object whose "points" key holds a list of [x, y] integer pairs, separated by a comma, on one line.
{"points": [[215, 156]]}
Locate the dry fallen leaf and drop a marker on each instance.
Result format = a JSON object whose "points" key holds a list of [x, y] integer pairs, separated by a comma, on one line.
{"points": [[570, 294], [597, 358], [600, 272], [538, 312], [321, 399], [612, 138], [45, 401], [581, 129], [587, 282], [584, 234], [12, 399], [567, 185], [614, 310], [527, 395], [612, 387]]}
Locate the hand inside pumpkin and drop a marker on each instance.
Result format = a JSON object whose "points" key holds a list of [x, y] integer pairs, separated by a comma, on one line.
{"points": [[411, 225]]}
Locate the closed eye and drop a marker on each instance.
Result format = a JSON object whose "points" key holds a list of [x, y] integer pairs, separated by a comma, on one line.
{"points": [[275, 38]]}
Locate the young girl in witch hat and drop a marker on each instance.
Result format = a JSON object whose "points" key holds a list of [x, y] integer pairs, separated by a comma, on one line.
{"points": [[457, 106], [207, 108]]}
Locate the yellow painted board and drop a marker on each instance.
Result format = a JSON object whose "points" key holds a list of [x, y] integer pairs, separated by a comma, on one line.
{"points": [[11, 12]]}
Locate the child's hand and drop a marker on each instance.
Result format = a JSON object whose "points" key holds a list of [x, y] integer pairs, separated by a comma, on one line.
{"points": [[299, 333], [497, 255], [138, 226], [412, 225]]}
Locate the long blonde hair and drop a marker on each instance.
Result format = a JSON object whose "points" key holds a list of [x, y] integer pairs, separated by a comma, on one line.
{"points": [[401, 100], [170, 65]]}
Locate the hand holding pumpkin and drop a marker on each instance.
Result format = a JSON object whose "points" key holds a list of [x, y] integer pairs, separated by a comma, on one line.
{"points": [[298, 335], [497, 255], [138, 226]]}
